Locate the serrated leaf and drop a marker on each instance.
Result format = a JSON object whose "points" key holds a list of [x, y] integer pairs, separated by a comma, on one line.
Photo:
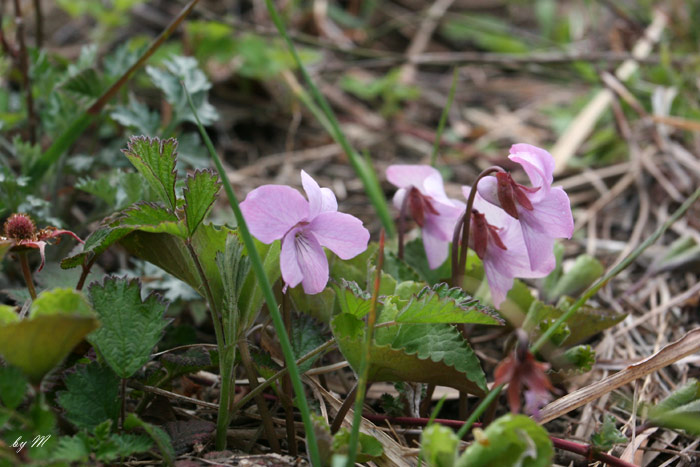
{"points": [[399, 269], [439, 446], [581, 357], [160, 437], [85, 83], [131, 327], [608, 435], [96, 244], [426, 353], [72, 448], [441, 304], [200, 193], [116, 188], [54, 301], [92, 396], [155, 159], [13, 387], [306, 336], [39, 344], [352, 299], [510, 441]]}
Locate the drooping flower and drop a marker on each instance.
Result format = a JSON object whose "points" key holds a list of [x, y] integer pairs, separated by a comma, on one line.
{"points": [[278, 212], [421, 187], [520, 369], [497, 239], [544, 211], [21, 232]]}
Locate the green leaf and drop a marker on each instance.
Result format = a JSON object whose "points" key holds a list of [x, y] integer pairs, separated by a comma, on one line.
{"points": [[427, 353], [439, 446], [131, 327], [155, 159], [320, 306], [39, 344], [92, 396], [352, 299], [608, 435], [200, 193], [680, 410], [510, 441], [414, 256], [8, 314], [441, 304], [137, 116], [13, 387], [73, 448], [356, 269], [160, 437], [370, 448], [233, 269], [306, 336], [86, 83], [580, 358], [585, 270], [57, 301], [116, 188]]}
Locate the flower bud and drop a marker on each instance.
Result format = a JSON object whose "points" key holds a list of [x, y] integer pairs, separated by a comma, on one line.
{"points": [[20, 227]]}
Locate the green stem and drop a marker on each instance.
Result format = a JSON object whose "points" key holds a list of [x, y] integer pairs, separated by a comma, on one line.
{"points": [[222, 417], [365, 362], [443, 117], [27, 273], [264, 283], [78, 126], [362, 169]]}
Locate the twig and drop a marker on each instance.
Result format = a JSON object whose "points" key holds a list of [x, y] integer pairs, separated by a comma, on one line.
{"points": [[23, 58], [39, 22]]}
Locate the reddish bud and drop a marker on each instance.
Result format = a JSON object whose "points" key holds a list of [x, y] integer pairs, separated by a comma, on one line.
{"points": [[20, 227], [418, 204], [506, 195], [480, 233]]}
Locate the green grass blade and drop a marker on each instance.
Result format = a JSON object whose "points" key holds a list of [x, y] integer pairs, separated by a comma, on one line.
{"points": [[443, 117], [275, 314], [363, 170]]}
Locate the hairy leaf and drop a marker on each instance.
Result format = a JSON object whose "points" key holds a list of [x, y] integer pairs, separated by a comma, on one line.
{"points": [[92, 396], [131, 327], [306, 336], [608, 435], [441, 304], [155, 159], [200, 193]]}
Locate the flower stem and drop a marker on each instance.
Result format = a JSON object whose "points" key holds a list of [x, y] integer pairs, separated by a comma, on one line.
{"points": [[264, 283], [27, 273], [459, 267], [365, 362]]}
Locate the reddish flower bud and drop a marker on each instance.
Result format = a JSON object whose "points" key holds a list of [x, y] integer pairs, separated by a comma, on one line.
{"points": [[20, 227], [418, 204], [482, 233]]}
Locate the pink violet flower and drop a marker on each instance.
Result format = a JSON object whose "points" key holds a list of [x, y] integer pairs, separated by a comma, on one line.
{"points": [[497, 239], [429, 206], [21, 232], [278, 212], [544, 211]]}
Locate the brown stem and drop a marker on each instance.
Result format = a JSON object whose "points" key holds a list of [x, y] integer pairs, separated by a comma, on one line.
{"points": [[27, 273], [424, 408], [343, 410], [457, 278], [86, 271], [259, 399], [39, 24], [24, 70]]}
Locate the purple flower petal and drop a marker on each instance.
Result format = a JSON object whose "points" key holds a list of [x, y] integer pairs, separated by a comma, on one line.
{"points": [[537, 163], [487, 188], [342, 233], [289, 264], [442, 226], [320, 199], [552, 215], [406, 176], [436, 250], [312, 262], [271, 210]]}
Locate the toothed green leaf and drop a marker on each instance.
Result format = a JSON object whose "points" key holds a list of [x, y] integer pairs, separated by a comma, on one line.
{"points": [[200, 193], [91, 396], [131, 327], [155, 159], [442, 304]]}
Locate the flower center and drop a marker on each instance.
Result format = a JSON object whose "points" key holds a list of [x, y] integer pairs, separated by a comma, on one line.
{"points": [[20, 227]]}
